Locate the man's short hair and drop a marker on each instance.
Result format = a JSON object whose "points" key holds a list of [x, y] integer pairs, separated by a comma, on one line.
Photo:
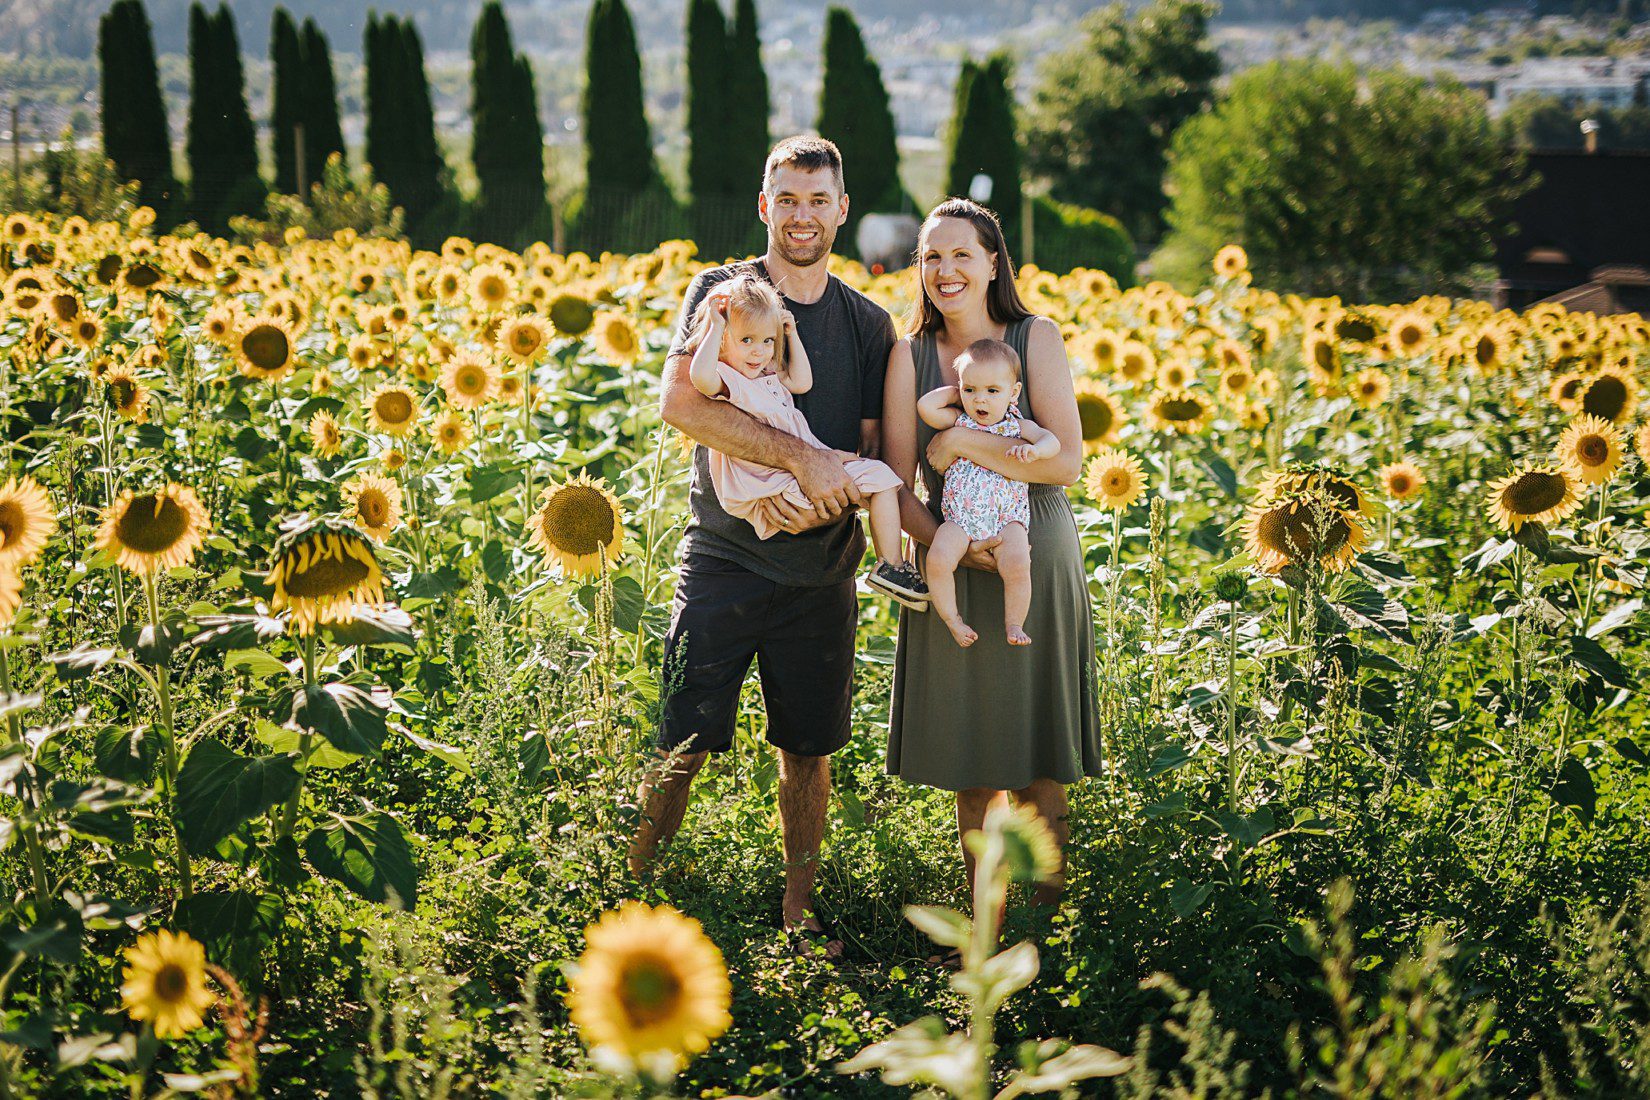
{"points": [[809, 154]]}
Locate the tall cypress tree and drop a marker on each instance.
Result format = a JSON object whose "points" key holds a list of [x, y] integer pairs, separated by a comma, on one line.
{"points": [[135, 133], [380, 105], [508, 138], [708, 75], [323, 136], [425, 181], [749, 108], [286, 55], [617, 142], [854, 113], [222, 143], [984, 140]]}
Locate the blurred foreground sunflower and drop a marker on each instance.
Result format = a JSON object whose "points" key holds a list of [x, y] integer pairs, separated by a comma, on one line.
{"points": [[1532, 494], [27, 520], [1592, 449], [1098, 413], [323, 569], [11, 594], [1302, 527], [579, 524], [153, 530], [165, 983], [1114, 479], [650, 988]]}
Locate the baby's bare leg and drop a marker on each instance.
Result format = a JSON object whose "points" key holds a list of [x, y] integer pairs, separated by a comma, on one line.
{"points": [[884, 508], [1014, 566], [949, 546]]}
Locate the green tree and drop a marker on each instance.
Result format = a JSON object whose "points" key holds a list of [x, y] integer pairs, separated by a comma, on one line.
{"points": [[746, 142], [222, 143], [508, 146], [1105, 109], [1375, 184], [708, 95], [135, 134], [401, 140], [323, 136], [1545, 122], [379, 91], [982, 140], [854, 113], [286, 55]]}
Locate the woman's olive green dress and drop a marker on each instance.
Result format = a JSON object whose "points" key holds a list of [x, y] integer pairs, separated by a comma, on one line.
{"points": [[995, 715]]}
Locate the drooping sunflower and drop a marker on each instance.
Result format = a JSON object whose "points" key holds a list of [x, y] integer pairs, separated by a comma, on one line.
{"points": [[1370, 388], [374, 503], [153, 530], [27, 520], [1532, 494], [451, 430], [1401, 479], [64, 308], [165, 983], [1231, 262], [1114, 479], [1299, 477], [522, 337], [1098, 413], [323, 570], [571, 314], [1592, 449], [264, 349], [1301, 527], [470, 380], [1610, 394], [126, 393], [579, 524], [1182, 411], [650, 987], [393, 409], [325, 438], [616, 339]]}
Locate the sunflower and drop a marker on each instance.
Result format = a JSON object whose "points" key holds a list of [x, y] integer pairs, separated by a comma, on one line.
{"points": [[263, 349], [1610, 394], [1106, 348], [1135, 361], [1231, 262], [1235, 383], [27, 520], [650, 987], [1183, 411], [616, 339], [448, 284], [1591, 449], [1114, 479], [1409, 333], [126, 393], [63, 308], [1370, 387], [393, 409], [1174, 374], [490, 288], [470, 380], [374, 503], [151, 531], [1300, 527], [1098, 413], [1354, 327], [579, 524], [11, 594], [1253, 415], [1532, 494], [1319, 353], [86, 331], [220, 323], [1641, 443], [1487, 350], [571, 314], [451, 431], [1301, 476], [1401, 479], [165, 983], [522, 337], [323, 570], [325, 438]]}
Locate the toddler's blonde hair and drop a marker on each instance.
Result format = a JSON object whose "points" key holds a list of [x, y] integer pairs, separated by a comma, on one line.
{"points": [[753, 300]]}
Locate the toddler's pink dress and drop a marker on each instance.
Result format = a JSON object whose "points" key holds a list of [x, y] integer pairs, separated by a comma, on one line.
{"points": [[741, 486]]}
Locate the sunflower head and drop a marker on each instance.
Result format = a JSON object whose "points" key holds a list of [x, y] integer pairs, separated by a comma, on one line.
{"points": [[1098, 413], [1302, 528], [650, 988], [1185, 412], [1114, 479], [571, 314], [373, 502], [165, 983], [491, 288], [1370, 387], [579, 524], [616, 339], [1410, 332], [1402, 479], [264, 348], [323, 570], [1591, 449], [522, 337], [1532, 494], [325, 437], [126, 393], [393, 409], [153, 530], [27, 520], [1135, 361], [1231, 262], [1333, 481], [1610, 394]]}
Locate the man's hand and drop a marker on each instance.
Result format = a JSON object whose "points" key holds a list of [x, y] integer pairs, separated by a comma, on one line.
{"points": [[982, 554], [825, 481]]}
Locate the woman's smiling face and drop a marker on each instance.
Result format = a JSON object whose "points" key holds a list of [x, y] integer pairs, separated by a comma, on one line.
{"points": [[956, 268]]}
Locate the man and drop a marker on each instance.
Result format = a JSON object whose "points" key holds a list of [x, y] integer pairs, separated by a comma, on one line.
{"points": [[788, 601]]}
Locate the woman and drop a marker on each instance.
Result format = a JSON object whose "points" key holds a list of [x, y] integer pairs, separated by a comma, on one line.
{"points": [[991, 720]]}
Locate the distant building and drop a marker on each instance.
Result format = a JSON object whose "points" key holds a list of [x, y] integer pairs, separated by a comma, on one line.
{"points": [[1582, 233]]}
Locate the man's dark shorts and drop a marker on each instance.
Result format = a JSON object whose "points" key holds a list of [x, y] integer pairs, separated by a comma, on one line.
{"points": [[803, 642]]}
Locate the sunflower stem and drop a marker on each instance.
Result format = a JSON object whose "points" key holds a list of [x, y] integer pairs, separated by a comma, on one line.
{"points": [[31, 840], [647, 551], [1232, 713], [306, 745], [163, 683], [109, 500]]}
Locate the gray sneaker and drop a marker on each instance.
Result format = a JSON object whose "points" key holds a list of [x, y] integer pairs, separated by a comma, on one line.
{"points": [[900, 583]]}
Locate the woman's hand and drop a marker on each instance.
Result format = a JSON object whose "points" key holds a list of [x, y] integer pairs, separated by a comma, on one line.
{"points": [[943, 449], [982, 553]]}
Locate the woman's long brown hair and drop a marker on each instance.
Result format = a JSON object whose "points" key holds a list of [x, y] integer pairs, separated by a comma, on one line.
{"points": [[1002, 298]]}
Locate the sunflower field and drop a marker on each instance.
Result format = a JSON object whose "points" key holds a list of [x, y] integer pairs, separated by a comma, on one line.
{"points": [[333, 579]]}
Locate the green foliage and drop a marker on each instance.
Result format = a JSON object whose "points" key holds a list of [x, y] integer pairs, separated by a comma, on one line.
{"points": [[335, 202], [401, 139], [1535, 121], [727, 125], [508, 142], [135, 134], [1382, 182], [854, 113], [68, 181], [982, 139], [745, 146], [323, 135], [1104, 110], [1067, 236], [709, 91], [221, 147], [286, 56]]}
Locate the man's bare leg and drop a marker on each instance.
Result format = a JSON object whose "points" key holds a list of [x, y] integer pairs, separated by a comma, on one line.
{"points": [[664, 798], [804, 792]]}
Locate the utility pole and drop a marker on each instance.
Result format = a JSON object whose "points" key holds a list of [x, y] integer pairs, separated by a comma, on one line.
{"points": [[298, 158]]}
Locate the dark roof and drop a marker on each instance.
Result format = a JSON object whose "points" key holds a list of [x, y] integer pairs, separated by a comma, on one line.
{"points": [[1587, 211], [1617, 288]]}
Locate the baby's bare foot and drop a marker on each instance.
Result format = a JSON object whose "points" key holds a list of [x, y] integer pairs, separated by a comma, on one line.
{"points": [[1017, 636], [961, 631]]}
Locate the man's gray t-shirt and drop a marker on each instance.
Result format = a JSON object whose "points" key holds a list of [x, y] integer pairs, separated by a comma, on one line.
{"points": [[848, 338]]}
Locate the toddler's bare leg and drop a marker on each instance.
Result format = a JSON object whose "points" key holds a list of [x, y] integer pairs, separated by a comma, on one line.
{"points": [[1014, 566], [949, 546], [885, 526]]}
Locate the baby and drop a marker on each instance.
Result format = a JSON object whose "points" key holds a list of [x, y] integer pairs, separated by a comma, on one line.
{"points": [[746, 351], [979, 503]]}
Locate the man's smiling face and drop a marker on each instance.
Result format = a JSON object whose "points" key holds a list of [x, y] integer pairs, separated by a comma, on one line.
{"points": [[802, 211]]}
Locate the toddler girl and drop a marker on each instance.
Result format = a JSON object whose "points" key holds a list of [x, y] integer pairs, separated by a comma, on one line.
{"points": [[746, 351], [978, 503]]}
